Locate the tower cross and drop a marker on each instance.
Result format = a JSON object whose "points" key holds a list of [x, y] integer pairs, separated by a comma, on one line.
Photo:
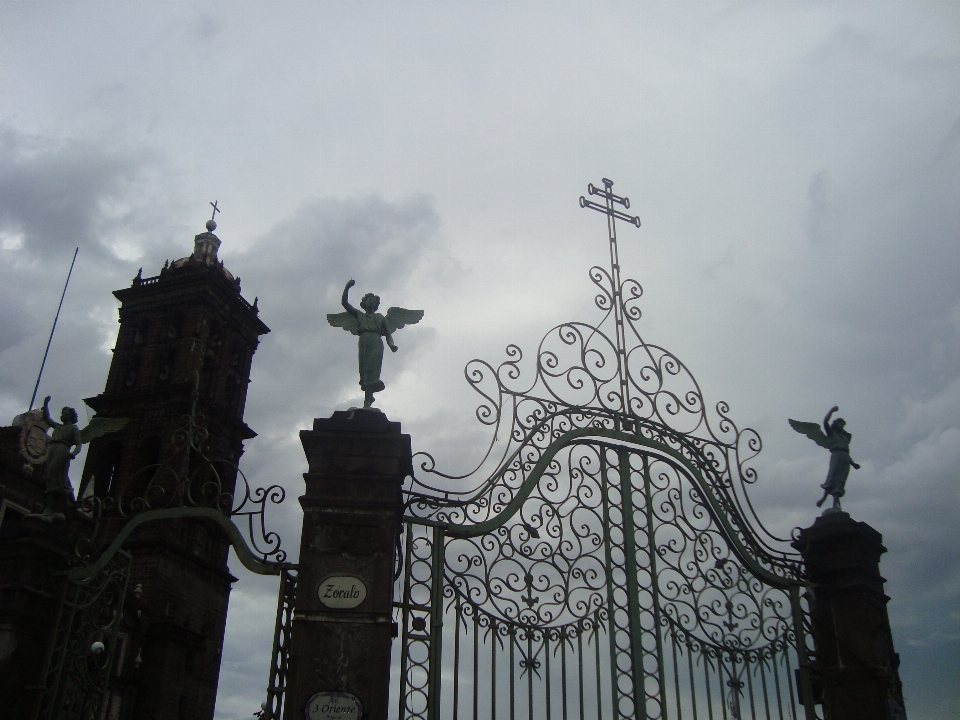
{"points": [[609, 209], [215, 210]]}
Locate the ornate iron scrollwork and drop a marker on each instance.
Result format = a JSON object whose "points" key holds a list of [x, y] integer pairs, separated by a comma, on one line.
{"points": [[189, 484], [609, 486], [80, 657]]}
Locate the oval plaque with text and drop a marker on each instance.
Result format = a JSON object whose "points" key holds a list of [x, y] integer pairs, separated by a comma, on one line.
{"points": [[342, 592], [333, 706]]}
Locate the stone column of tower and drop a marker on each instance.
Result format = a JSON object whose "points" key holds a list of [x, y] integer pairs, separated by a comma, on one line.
{"points": [[187, 323]]}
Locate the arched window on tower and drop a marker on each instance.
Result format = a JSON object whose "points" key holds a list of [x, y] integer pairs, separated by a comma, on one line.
{"points": [[105, 468], [174, 326], [140, 330], [168, 360], [237, 353], [208, 374], [144, 468], [212, 361], [231, 393], [131, 369], [215, 338]]}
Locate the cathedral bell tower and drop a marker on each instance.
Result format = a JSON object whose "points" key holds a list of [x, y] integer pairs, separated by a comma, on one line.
{"points": [[185, 326]]}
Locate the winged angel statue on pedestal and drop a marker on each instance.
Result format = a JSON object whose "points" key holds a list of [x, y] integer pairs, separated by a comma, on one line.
{"points": [[64, 445], [836, 439], [371, 326]]}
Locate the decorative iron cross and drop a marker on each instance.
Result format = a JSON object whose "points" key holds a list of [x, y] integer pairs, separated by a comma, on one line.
{"points": [[216, 209], [612, 213], [608, 209]]}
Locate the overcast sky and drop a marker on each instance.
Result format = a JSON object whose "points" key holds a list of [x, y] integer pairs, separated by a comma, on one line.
{"points": [[795, 166]]}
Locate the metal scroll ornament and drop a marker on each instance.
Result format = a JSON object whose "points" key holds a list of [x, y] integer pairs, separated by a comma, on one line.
{"points": [[611, 507], [191, 484]]}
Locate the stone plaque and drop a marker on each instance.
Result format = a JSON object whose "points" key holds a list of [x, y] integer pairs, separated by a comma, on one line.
{"points": [[333, 706], [342, 592]]}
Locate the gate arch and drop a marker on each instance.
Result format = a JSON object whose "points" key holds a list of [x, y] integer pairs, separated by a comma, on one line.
{"points": [[684, 615], [604, 559]]}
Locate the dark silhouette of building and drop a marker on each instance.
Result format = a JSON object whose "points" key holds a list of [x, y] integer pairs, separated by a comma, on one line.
{"points": [[187, 329], [31, 553]]}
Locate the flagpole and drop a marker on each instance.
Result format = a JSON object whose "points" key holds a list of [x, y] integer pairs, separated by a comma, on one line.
{"points": [[50, 339]]}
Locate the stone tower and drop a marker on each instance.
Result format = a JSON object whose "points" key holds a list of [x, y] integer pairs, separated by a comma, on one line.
{"points": [[185, 326]]}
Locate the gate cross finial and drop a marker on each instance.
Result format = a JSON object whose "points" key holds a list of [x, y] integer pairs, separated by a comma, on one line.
{"points": [[611, 199], [609, 209]]}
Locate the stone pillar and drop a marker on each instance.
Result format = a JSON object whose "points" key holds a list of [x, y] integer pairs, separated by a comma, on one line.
{"points": [[855, 668], [352, 507]]}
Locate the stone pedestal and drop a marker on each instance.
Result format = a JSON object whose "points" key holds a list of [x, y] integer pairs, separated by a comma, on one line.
{"points": [[855, 669], [343, 625]]}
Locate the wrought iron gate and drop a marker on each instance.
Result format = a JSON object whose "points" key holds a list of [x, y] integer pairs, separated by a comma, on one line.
{"points": [[77, 672], [608, 563]]}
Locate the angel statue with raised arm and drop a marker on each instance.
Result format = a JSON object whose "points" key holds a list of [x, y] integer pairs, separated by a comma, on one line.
{"points": [[371, 326], [64, 445], [837, 440]]}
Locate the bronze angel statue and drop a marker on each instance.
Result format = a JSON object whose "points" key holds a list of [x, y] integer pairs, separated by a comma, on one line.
{"points": [[64, 445], [371, 326], [837, 440]]}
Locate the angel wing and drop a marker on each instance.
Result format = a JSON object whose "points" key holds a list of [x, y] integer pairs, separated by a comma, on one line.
{"points": [[813, 431], [397, 317], [344, 320], [101, 426]]}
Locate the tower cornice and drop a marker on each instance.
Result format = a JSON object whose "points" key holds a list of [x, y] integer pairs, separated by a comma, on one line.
{"points": [[176, 282]]}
